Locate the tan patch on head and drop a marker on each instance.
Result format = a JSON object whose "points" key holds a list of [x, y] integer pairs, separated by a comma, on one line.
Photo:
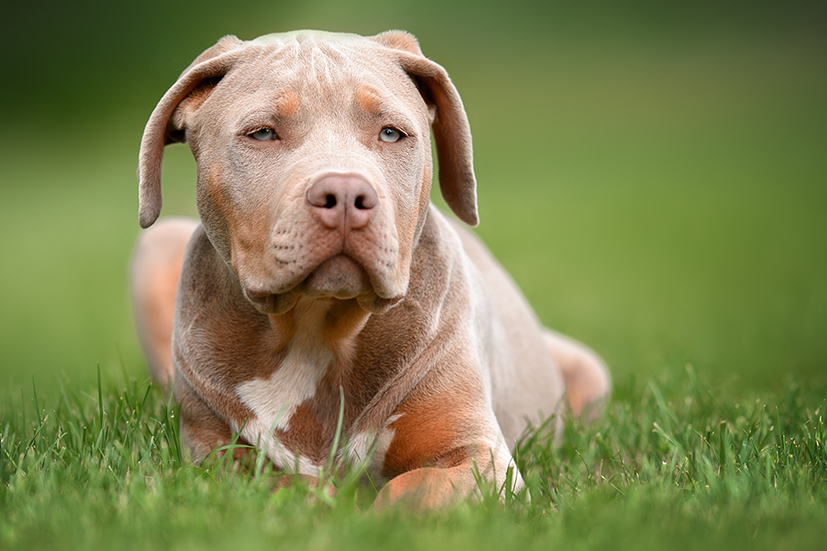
{"points": [[287, 104], [368, 99], [238, 233]]}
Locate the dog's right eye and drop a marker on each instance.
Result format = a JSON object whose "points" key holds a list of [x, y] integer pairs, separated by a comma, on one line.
{"points": [[264, 135]]}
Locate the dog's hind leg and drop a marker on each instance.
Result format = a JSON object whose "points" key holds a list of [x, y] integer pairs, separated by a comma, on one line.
{"points": [[587, 379], [154, 274]]}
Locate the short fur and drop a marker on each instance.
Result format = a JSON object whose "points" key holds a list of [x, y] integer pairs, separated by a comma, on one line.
{"points": [[320, 267]]}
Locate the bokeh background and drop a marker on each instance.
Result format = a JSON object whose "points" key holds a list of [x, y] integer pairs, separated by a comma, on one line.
{"points": [[653, 174]]}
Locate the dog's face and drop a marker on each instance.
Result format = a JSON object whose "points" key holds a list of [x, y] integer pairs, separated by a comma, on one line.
{"points": [[314, 161], [313, 177]]}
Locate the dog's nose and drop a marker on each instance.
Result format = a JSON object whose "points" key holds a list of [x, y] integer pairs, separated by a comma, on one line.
{"points": [[343, 201]]}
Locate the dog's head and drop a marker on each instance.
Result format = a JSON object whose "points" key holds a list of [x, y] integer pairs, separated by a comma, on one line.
{"points": [[314, 160]]}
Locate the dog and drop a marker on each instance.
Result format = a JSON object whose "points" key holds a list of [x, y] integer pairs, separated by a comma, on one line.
{"points": [[321, 286]]}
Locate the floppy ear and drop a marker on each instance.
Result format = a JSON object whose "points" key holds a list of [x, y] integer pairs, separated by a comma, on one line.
{"points": [[164, 128], [451, 130]]}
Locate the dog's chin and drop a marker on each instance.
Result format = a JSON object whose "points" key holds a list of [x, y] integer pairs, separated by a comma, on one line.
{"points": [[339, 277]]}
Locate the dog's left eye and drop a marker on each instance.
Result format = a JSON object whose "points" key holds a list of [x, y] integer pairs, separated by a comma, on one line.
{"points": [[390, 135], [264, 135]]}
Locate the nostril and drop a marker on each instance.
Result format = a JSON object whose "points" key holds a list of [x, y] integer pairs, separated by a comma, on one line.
{"points": [[339, 200]]}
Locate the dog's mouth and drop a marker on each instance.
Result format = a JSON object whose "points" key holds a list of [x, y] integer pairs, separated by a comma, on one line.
{"points": [[339, 277]]}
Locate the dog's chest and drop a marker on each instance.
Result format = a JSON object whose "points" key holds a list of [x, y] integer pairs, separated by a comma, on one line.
{"points": [[296, 409], [296, 413], [276, 399]]}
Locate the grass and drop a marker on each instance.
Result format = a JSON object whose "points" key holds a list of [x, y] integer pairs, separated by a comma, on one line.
{"points": [[652, 178], [105, 469]]}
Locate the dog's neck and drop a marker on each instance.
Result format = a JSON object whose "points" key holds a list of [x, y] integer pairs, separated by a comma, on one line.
{"points": [[330, 323]]}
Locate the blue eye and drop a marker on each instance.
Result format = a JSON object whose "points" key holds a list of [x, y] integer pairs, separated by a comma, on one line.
{"points": [[390, 135], [264, 135]]}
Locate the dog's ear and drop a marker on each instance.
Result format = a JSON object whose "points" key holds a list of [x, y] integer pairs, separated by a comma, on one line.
{"points": [[451, 130], [167, 124]]}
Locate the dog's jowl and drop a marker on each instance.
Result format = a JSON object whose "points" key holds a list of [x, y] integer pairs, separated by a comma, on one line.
{"points": [[320, 270]]}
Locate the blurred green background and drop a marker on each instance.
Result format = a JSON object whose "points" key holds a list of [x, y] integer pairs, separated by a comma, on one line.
{"points": [[654, 175]]}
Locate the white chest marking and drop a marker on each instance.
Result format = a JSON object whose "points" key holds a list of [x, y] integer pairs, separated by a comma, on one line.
{"points": [[274, 400]]}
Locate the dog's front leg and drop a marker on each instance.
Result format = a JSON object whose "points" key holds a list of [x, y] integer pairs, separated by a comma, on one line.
{"points": [[202, 431], [434, 488], [428, 488]]}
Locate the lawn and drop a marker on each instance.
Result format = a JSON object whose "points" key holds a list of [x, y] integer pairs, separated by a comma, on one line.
{"points": [[654, 179]]}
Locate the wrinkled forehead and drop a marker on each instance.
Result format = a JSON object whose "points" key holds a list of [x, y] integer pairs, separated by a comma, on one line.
{"points": [[320, 57], [326, 68]]}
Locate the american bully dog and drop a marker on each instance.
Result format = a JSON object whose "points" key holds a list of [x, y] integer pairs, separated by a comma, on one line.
{"points": [[321, 273]]}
